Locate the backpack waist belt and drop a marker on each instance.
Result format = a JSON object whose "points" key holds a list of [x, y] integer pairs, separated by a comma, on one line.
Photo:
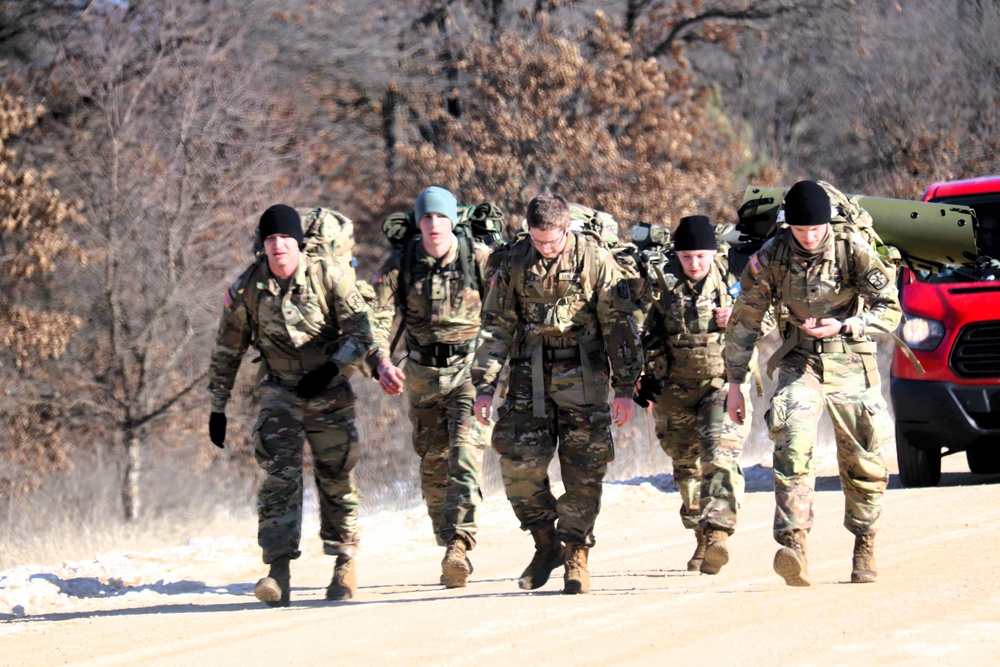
{"points": [[296, 363], [837, 346], [540, 353], [440, 355]]}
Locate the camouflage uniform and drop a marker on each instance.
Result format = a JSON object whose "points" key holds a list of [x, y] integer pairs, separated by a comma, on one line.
{"points": [[843, 279], [296, 334], [683, 346], [559, 322], [441, 317]]}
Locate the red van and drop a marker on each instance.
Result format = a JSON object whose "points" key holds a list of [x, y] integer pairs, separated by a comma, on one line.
{"points": [[952, 324]]}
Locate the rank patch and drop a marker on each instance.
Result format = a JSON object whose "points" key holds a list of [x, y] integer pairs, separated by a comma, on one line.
{"points": [[877, 279]]}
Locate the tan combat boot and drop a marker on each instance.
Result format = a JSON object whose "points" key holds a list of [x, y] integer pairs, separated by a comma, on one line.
{"points": [[576, 576], [344, 581], [716, 551], [791, 561], [863, 571], [455, 568], [549, 555], [275, 589], [699, 551]]}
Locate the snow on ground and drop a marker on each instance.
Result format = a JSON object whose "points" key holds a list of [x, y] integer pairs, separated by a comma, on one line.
{"points": [[207, 566]]}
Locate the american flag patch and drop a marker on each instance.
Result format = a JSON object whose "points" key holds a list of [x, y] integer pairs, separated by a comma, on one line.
{"points": [[755, 267]]}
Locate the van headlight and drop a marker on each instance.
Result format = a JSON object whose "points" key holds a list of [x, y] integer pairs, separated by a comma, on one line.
{"points": [[921, 333]]}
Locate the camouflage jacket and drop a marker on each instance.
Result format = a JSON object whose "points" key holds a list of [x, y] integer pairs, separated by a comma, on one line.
{"points": [[813, 286], [579, 295], [681, 339], [438, 306], [294, 332]]}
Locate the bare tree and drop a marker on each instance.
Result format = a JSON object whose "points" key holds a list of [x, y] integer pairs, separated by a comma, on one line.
{"points": [[168, 146]]}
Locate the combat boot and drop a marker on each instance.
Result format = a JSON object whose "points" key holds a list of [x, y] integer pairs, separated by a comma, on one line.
{"points": [[576, 576], [699, 551], [863, 570], [455, 568], [716, 551], [790, 562], [344, 581], [275, 589], [549, 555]]}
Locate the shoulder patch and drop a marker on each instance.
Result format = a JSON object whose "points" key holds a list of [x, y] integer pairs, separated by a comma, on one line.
{"points": [[227, 299], [355, 302], [623, 291], [734, 290], [755, 267], [877, 279], [376, 279]]}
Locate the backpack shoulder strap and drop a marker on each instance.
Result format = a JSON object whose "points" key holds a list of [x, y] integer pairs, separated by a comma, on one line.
{"points": [[516, 261], [467, 257], [251, 294]]}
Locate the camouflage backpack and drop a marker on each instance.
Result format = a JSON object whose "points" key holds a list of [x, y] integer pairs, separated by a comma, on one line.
{"points": [[326, 234], [848, 217], [604, 227]]}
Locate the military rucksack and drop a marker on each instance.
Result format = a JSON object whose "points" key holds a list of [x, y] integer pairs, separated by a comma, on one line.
{"points": [[604, 227], [327, 234], [848, 217], [763, 218]]}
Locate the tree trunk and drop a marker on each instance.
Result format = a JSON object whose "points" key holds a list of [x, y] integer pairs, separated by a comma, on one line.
{"points": [[131, 502]]}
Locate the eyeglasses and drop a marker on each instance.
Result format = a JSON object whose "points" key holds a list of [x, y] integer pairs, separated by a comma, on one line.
{"points": [[545, 245]]}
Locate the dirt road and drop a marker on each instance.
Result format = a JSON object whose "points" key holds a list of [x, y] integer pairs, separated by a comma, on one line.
{"points": [[937, 601]]}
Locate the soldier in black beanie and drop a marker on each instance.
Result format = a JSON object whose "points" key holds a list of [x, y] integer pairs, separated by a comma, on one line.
{"points": [[832, 291], [683, 339]]}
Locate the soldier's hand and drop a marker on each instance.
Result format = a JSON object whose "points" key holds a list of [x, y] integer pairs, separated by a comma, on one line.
{"points": [[721, 317], [217, 429], [390, 378], [315, 381], [736, 405], [621, 410], [822, 328], [482, 408]]}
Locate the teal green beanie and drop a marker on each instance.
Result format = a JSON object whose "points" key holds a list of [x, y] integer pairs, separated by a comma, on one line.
{"points": [[436, 200]]}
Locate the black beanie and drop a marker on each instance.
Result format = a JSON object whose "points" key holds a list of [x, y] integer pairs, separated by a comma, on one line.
{"points": [[281, 219], [695, 232], [807, 203]]}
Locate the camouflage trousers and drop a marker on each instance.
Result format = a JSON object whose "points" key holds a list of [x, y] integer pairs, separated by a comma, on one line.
{"points": [[527, 444], [704, 445], [284, 424], [806, 384], [451, 445]]}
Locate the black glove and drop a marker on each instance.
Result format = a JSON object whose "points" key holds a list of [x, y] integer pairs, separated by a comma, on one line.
{"points": [[649, 387], [217, 429], [315, 381]]}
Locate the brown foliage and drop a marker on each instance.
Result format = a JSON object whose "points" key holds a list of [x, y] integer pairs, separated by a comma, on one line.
{"points": [[33, 240], [583, 116]]}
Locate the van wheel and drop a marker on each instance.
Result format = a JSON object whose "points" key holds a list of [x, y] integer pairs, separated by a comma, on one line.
{"points": [[917, 467], [983, 459]]}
